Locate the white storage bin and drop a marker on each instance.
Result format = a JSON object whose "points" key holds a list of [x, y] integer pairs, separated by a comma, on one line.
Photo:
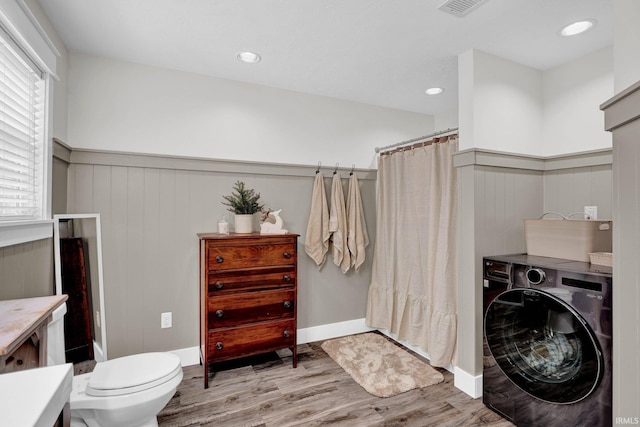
{"points": [[572, 239], [601, 258]]}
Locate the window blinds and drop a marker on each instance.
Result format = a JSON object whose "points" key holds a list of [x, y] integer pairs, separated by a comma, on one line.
{"points": [[21, 134]]}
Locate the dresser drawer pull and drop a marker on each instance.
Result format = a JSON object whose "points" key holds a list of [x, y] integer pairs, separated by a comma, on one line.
{"points": [[287, 305], [219, 285], [219, 259], [287, 255], [219, 346], [286, 334], [219, 314], [286, 278]]}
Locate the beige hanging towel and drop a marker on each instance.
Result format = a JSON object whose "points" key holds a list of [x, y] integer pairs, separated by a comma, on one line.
{"points": [[338, 225], [316, 242], [357, 236]]}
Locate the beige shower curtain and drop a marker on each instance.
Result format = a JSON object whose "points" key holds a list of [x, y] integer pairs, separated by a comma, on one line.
{"points": [[413, 284]]}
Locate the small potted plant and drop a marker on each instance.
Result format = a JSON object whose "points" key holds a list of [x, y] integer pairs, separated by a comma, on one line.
{"points": [[244, 203]]}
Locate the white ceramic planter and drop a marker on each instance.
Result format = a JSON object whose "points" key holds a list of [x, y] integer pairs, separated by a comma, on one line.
{"points": [[243, 224]]}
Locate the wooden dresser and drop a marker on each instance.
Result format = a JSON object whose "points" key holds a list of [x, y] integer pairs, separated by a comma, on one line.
{"points": [[248, 296]]}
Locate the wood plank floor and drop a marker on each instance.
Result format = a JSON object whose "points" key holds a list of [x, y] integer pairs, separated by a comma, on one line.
{"points": [[267, 391]]}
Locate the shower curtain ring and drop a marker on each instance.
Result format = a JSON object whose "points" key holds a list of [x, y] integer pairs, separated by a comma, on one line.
{"points": [[318, 170], [336, 169], [353, 166]]}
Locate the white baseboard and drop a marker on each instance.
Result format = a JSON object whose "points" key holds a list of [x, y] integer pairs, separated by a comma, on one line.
{"points": [[461, 380], [98, 355], [188, 356], [413, 348], [191, 356], [470, 384], [332, 330]]}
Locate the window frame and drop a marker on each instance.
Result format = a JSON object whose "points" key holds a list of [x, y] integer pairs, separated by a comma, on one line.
{"points": [[19, 22], [24, 104]]}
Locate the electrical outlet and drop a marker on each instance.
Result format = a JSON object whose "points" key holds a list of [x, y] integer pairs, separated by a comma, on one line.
{"points": [[591, 212], [165, 320]]}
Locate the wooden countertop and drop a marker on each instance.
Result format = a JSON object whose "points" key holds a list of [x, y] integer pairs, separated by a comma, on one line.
{"points": [[19, 318]]}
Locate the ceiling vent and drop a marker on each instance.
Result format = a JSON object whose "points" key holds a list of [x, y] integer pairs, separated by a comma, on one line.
{"points": [[461, 8]]}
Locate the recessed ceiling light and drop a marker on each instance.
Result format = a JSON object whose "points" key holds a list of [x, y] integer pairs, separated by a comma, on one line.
{"points": [[249, 57], [434, 91], [577, 27]]}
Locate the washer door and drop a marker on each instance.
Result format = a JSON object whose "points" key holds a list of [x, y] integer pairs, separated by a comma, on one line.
{"points": [[543, 345]]}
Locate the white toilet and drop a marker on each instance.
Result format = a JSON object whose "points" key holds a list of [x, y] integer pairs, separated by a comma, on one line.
{"points": [[127, 391]]}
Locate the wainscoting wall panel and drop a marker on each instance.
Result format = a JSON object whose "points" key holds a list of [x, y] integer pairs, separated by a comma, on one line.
{"points": [[496, 192], [568, 191], [150, 217], [492, 203], [26, 270], [622, 118], [505, 197]]}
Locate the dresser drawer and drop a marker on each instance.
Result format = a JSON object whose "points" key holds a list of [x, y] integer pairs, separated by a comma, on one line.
{"points": [[225, 282], [230, 343], [250, 307], [223, 257]]}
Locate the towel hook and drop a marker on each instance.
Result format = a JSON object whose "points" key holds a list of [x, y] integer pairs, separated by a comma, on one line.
{"points": [[318, 170], [335, 171], [352, 168]]}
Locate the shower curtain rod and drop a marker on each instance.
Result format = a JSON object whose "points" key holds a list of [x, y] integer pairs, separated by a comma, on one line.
{"points": [[442, 132]]}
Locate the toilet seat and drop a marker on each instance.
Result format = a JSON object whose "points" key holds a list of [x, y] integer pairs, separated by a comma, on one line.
{"points": [[131, 374]]}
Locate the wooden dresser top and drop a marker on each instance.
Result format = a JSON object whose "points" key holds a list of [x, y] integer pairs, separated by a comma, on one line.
{"points": [[205, 236], [19, 318]]}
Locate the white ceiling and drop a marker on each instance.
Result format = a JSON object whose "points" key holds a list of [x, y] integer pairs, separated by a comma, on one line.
{"points": [[379, 52]]}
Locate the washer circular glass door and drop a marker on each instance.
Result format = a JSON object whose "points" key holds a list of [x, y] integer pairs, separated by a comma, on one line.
{"points": [[543, 345]]}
